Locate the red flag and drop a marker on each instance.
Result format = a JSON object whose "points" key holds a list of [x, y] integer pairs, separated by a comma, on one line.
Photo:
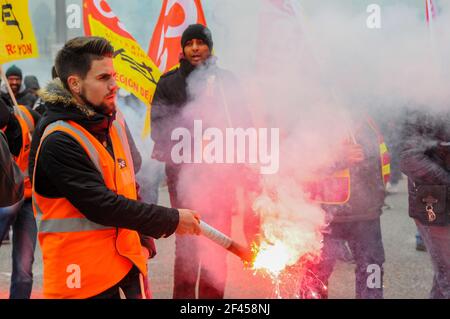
{"points": [[100, 11], [136, 72], [175, 17]]}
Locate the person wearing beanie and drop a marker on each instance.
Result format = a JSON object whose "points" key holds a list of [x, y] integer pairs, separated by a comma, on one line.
{"points": [[32, 84], [13, 70], [197, 260], [15, 80], [14, 76]]}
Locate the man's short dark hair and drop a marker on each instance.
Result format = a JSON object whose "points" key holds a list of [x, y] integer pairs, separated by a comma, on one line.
{"points": [[54, 74], [76, 57]]}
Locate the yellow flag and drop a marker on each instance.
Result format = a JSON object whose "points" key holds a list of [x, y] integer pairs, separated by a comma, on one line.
{"points": [[17, 40], [136, 72]]}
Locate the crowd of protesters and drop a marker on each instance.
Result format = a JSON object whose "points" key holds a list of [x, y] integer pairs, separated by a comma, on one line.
{"points": [[69, 159]]}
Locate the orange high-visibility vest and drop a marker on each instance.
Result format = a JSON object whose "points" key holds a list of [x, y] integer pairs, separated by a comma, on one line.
{"points": [[336, 189], [82, 258], [27, 126]]}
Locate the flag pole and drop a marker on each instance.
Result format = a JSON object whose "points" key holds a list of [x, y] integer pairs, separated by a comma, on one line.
{"points": [[303, 23], [430, 16], [8, 87]]}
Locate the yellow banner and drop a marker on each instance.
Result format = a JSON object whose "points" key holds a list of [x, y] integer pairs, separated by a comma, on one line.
{"points": [[136, 72], [17, 40]]}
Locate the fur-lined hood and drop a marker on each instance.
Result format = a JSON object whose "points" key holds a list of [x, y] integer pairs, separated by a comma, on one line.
{"points": [[55, 93]]}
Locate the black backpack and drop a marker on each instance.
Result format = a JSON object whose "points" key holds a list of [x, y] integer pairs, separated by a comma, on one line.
{"points": [[11, 178]]}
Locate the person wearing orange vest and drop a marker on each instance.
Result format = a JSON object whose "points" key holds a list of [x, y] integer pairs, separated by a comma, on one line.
{"points": [[84, 187], [20, 127], [353, 197]]}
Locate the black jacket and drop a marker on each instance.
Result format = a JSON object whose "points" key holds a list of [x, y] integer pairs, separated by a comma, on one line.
{"points": [[14, 132], [170, 97], [367, 191], [24, 97], [63, 169], [11, 179], [425, 152]]}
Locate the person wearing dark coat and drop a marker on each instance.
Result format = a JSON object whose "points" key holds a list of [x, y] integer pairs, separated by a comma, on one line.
{"points": [[356, 220], [176, 104], [425, 159]]}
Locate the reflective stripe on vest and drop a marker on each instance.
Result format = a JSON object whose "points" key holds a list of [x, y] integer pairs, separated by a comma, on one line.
{"points": [[27, 117], [65, 225], [385, 159], [27, 125]]}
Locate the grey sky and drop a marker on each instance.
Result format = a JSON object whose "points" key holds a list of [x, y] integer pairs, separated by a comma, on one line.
{"points": [[140, 16]]}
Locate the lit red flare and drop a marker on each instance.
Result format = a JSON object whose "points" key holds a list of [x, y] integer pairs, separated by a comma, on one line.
{"points": [[273, 258]]}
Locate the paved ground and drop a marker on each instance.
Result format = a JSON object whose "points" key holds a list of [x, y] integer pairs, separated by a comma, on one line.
{"points": [[408, 272]]}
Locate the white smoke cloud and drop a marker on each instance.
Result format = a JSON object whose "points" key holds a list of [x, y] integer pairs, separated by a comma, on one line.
{"points": [[311, 73]]}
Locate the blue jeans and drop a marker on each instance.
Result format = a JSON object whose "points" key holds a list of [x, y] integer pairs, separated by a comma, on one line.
{"points": [[419, 240], [7, 217], [24, 244], [365, 243], [437, 242]]}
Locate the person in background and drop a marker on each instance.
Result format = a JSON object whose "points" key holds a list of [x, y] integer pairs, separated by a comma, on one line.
{"points": [[23, 97], [216, 185], [32, 84], [353, 196], [425, 159]]}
